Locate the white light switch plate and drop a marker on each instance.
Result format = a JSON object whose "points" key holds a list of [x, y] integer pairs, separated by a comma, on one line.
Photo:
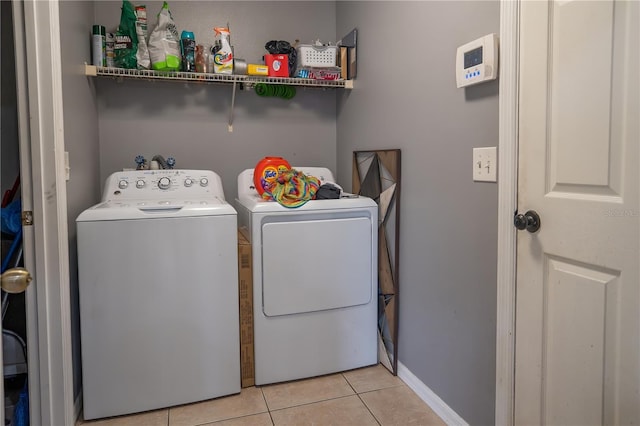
{"points": [[485, 164]]}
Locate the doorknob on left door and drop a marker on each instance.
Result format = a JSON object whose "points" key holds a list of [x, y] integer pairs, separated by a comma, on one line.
{"points": [[529, 221], [15, 280]]}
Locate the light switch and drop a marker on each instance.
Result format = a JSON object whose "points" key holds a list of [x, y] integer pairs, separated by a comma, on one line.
{"points": [[485, 164]]}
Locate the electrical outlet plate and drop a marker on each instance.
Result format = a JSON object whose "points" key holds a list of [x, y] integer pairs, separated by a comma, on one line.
{"points": [[485, 164]]}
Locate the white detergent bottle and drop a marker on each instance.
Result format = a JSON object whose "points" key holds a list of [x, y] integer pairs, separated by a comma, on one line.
{"points": [[223, 58]]}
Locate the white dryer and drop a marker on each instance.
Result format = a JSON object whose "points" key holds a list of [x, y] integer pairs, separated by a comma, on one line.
{"points": [[158, 284], [315, 282]]}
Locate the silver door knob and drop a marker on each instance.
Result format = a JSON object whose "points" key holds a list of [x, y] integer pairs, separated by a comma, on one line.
{"points": [[529, 221]]}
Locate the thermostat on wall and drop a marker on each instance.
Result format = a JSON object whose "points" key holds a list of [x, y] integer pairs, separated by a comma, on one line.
{"points": [[477, 61]]}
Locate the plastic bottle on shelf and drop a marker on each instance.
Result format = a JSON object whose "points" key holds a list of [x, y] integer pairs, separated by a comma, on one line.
{"points": [[188, 47], [223, 58], [202, 59], [213, 49]]}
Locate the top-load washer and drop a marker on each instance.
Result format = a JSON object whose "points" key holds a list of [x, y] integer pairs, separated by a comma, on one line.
{"points": [[315, 282], [158, 284]]}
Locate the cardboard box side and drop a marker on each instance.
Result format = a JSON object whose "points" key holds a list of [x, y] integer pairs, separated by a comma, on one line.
{"points": [[245, 287]]}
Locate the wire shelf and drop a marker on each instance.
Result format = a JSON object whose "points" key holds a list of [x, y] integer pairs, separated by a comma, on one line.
{"points": [[93, 71]]}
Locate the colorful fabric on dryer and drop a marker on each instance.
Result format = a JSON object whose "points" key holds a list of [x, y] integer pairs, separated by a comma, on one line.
{"points": [[292, 188]]}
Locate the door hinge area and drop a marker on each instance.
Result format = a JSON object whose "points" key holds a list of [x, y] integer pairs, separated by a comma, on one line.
{"points": [[27, 218]]}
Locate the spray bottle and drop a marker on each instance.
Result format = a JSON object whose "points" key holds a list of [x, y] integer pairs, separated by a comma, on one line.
{"points": [[223, 58]]}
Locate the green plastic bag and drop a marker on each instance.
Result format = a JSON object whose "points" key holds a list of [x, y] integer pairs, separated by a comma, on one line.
{"points": [[126, 45]]}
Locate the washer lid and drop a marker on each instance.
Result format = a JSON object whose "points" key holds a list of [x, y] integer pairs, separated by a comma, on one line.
{"points": [[152, 209]]}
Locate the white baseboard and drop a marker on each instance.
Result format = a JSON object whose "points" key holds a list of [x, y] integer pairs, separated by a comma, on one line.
{"points": [[445, 412]]}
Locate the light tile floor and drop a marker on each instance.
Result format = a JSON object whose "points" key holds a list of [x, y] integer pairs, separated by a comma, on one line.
{"points": [[362, 397]]}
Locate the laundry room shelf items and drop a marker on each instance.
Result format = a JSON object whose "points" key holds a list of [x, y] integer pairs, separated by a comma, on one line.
{"points": [[247, 80], [242, 81]]}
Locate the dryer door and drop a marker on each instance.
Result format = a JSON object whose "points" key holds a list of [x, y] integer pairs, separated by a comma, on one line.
{"points": [[315, 265]]}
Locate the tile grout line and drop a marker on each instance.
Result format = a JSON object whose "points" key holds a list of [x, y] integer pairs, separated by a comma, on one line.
{"points": [[349, 383], [313, 402], [232, 418], [361, 400], [266, 404], [369, 391], [369, 409], [355, 393]]}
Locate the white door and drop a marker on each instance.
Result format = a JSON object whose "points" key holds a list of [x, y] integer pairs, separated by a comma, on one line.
{"points": [[577, 312], [46, 256]]}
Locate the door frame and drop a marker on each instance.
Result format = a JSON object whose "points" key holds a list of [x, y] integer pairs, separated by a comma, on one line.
{"points": [[507, 205], [46, 254]]}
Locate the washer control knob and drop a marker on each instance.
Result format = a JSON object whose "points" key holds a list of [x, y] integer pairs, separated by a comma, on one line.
{"points": [[123, 184], [188, 182], [140, 184], [204, 182], [164, 183]]}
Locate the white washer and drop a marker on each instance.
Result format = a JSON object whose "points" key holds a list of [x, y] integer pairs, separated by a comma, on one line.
{"points": [[315, 282], [158, 283]]}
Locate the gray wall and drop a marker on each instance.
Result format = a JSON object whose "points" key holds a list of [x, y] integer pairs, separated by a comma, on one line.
{"points": [[405, 97], [80, 139], [189, 121]]}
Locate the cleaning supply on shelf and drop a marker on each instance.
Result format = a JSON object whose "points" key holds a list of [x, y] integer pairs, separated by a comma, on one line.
{"points": [[315, 73], [142, 54], [223, 58], [188, 48], [109, 45], [164, 43], [277, 64], [202, 59], [126, 43], [257, 69], [98, 46], [239, 66], [213, 49]]}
